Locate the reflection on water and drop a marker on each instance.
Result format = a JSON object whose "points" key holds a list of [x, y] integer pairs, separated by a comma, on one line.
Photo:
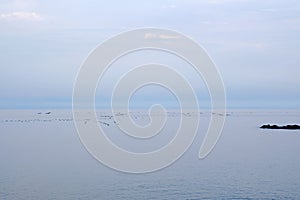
{"points": [[42, 158]]}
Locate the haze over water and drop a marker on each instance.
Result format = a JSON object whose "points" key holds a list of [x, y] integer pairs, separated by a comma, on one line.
{"points": [[254, 45]]}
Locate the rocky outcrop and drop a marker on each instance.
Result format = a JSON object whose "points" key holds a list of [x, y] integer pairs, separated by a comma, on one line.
{"points": [[291, 127]]}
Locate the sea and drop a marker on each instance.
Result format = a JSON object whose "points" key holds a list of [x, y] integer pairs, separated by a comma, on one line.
{"points": [[43, 158]]}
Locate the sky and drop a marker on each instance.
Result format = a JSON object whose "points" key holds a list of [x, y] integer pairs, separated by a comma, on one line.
{"points": [[255, 45]]}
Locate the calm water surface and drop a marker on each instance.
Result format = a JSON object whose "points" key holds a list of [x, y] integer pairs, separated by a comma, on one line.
{"points": [[42, 158]]}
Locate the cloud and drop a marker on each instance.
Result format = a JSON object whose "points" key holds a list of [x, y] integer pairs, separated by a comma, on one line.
{"points": [[158, 36], [224, 1], [27, 16]]}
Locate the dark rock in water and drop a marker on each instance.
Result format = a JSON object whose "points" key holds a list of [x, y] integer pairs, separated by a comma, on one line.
{"points": [[39, 113], [47, 113], [290, 127]]}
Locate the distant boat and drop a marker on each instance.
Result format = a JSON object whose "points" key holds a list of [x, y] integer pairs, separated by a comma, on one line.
{"points": [[47, 113]]}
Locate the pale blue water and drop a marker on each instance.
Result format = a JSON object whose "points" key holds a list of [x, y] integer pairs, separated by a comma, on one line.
{"points": [[43, 159]]}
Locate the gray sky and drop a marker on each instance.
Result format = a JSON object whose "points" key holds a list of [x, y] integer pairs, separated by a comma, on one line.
{"points": [[255, 45]]}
